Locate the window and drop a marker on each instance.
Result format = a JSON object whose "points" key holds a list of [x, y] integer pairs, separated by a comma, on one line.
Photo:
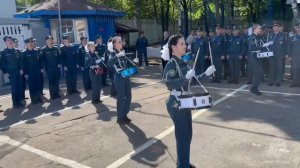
{"points": [[74, 28]]}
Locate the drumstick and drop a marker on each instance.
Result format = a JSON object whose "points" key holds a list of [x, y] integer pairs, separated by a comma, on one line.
{"points": [[211, 58], [189, 86]]}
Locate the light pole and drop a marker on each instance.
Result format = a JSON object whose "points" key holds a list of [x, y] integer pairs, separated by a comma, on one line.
{"points": [[59, 24]]}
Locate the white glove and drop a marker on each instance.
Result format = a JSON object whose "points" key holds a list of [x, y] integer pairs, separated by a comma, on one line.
{"points": [[103, 59], [190, 74], [98, 61], [136, 60], [268, 44], [120, 54], [210, 70]]}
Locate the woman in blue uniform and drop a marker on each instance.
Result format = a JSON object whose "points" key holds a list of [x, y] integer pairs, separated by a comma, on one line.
{"points": [[182, 118], [123, 85], [95, 64]]}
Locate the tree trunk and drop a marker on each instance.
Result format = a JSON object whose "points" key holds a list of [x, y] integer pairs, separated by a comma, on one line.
{"points": [[217, 5], [167, 15], [186, 18], [155, 10], [228, 12], [162, 11], [251, 11]]}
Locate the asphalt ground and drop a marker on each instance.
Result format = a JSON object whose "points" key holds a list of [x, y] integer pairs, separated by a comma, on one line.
{"points": [[241, 130]]}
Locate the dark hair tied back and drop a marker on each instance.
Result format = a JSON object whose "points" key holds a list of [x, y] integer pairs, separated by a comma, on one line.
{"points": [[173, 40]]}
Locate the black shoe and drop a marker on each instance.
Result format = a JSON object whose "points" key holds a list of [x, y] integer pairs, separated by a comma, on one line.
{"points": [[249, 82], [255, 91], [123, 121], [192, 166], [236, 82], [278, 85], [270, 84], [76, 91], [96, 101], [292, 85], [18, 105], [127, 120], [231, 81]]}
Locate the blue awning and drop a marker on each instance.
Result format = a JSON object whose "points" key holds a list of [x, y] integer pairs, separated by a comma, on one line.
{"points": [[42, 13]]}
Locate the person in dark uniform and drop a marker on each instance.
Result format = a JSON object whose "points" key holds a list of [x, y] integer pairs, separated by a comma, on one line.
{"points": [[175, 81], [38, 49], [234, 53], [257, 45], [279, 50], [70, 64], [95, 65], [23, 79], [226, 33], [294, 56], [244, 60], [123, 85], [32, 68], [11, 68], [141, 46], [200, 42], [101, 50], [111, 70], [51, 61], [218, 53], [163, 42], [81, 62]]}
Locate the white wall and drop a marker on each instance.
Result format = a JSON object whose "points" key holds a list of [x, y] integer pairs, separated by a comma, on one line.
{"points": [[7, 8]]}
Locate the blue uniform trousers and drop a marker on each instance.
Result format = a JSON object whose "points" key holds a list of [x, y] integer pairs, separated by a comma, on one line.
{"points": [[182, 120], [123, 87]]}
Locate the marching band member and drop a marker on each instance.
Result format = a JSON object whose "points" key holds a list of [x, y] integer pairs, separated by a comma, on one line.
{"points": [[182, 118], [93, 61], [123, 85]]}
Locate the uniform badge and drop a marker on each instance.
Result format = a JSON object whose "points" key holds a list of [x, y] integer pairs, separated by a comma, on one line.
{"points": [[172, 73], [238, 42]]}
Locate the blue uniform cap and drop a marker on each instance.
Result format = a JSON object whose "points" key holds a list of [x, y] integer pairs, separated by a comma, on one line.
{"points": [[6, 37], [29, 40]]}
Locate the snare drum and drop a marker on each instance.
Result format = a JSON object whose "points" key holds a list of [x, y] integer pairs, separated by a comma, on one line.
{"points": [[187, 57], [194, 101], [126, 73], [265, 54]]}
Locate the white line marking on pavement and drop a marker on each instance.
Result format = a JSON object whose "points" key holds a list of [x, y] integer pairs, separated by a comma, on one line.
{"points": [[68, 108], [165, 133], [270, 92], [46, 155]]}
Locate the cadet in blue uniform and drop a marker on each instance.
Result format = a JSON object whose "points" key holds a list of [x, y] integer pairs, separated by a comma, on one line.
{"points": [[11, 68], [70, 64], [182, 118], [23, 79], [200, 42], [101, 50], [218, 53], [294, 55], [257, 45], [234, 53], [279, 50], [32, 68], [95, 65], [81, 62], [123, 85], [52, 63], [141, 45], [42, 72]]}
